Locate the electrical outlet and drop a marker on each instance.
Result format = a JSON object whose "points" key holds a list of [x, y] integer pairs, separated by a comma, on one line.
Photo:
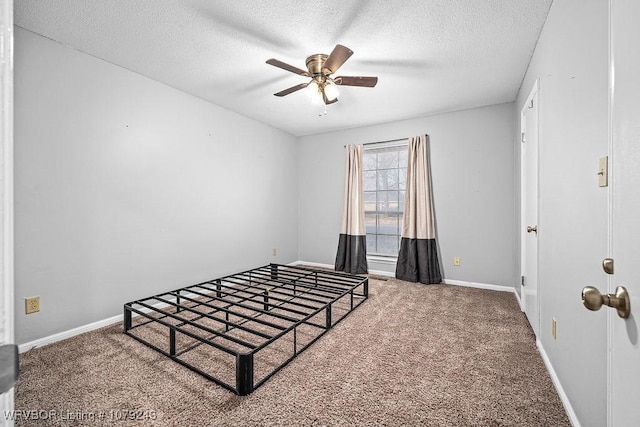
{"points": [[274, 252], [554, 328], [31, 305], [456, 261]]}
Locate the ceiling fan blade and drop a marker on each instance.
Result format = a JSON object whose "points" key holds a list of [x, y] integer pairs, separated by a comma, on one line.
{"points": [[287, 67], [356, 81], [339, 55], [291, 89]]}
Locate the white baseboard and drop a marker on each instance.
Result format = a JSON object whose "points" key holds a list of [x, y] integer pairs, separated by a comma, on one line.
{"points": [[571, 414], [68, 334], [519, 299], [311, 264], [382, 273], [22, 348], [318, 264], [445, 281], [487, 286]]}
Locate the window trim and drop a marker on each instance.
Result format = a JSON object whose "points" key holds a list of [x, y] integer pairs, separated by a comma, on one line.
{"points": [[375, 256]]}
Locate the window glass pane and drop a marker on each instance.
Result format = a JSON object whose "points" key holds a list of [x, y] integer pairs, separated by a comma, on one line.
{"points": [[388, 179], [388, 158], [369, 161], [388, 201], [382, 180], [371, 243], [369, 201], [369, 182], [370, 222], [388, 245], [402, 178], [402, 157], [387, 223]]}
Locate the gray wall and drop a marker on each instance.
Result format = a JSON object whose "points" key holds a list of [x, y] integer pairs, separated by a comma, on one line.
{"points": [[125, 187], [472, 153], [571, 62]]}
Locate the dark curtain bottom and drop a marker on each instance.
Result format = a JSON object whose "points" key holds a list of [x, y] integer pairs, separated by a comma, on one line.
{"points": [[352, 254], [418, 261]]}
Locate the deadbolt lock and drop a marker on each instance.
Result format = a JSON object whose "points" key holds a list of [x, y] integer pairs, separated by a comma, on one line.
{"points": [[593, 300]]}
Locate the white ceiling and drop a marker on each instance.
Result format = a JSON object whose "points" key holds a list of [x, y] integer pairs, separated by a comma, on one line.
{"points": [[430, 55]]}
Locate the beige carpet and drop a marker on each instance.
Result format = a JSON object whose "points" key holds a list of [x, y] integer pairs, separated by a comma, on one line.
{"points": [[411, 355]]}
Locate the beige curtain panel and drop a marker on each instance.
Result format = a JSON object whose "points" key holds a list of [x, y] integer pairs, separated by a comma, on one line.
{"points": [[418, 257], [352, 245]]}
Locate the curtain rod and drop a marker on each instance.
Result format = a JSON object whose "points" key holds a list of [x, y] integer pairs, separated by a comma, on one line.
{"points": [[383, 142]]}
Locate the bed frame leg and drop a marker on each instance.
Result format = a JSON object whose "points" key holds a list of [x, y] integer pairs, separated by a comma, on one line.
{"points": [[274, 271], [127, 318], [244, 374], [328, 321], [266, 300], [366, 287], [178, 301], [172, 342], [218, 288]]}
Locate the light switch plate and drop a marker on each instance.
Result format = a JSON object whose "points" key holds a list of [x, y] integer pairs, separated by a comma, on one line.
{"points": [[603, 171]]}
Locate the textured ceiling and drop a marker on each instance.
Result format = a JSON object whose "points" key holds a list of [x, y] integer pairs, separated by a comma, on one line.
{"points": [[430, 55]]}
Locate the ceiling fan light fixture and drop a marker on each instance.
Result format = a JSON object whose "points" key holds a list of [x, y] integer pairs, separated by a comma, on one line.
{"points": [[312, 88], [313, 91], [331, 90]]}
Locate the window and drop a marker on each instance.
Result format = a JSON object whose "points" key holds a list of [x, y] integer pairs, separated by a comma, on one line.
{"points": [[384, 173]]}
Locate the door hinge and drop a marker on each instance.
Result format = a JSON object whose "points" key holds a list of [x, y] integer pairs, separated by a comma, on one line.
{"points": [[522, 281], [522, 137], [531, 105]]}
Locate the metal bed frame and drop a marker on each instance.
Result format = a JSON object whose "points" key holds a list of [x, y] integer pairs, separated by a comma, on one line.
{"points": [[239, 330]]}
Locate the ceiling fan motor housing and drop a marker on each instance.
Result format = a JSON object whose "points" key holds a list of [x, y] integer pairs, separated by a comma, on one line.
{"points": [[315, 63]]}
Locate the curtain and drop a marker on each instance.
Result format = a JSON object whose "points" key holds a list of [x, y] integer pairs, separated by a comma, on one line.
{"points": [[352, 245], [418, 257]]}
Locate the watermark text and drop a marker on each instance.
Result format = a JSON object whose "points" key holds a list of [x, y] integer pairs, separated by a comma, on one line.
{"points": [[80, 415]]}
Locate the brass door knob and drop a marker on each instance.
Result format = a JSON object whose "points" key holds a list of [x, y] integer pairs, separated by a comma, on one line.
{"points": [[593, 300], [534, 229]]}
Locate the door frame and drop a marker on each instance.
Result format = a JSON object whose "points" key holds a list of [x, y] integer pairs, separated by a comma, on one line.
{"points": [[523, 193], [6, 188], [610, 166]]}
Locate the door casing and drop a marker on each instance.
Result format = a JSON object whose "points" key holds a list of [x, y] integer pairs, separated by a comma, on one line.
{"points": [[6, 182], [524, 267], [623, 370]]}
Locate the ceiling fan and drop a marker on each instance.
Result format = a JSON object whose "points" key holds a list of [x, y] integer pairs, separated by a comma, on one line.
{"points": [[320, 68]]}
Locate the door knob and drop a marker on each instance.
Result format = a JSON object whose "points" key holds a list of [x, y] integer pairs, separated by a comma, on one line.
{"points": [[534, 229], [593, 300]]}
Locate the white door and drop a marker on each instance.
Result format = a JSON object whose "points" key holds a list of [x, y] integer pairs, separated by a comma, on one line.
{"points": [[6, 189], [529, 201], [624, 358]]}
